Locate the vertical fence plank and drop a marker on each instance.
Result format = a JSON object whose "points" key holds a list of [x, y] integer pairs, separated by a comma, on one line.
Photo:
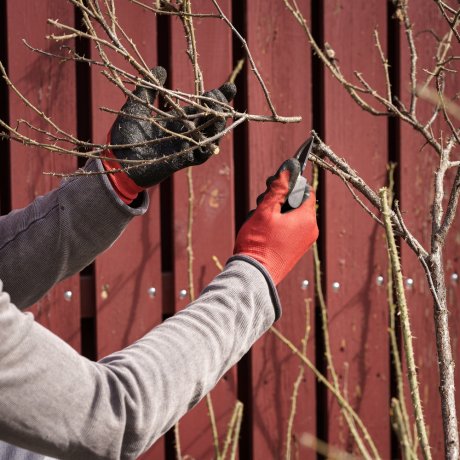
{"points": [[418, 163], [355, 247], [126, 271], [354, 254], [213, 212], [4, 115], [50, 85], [282, 54]]}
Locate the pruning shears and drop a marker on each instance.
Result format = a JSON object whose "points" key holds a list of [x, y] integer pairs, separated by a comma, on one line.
{"points": [[296, 197]]}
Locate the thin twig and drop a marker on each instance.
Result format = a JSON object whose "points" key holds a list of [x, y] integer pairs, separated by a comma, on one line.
{"points": [[189, 31], [329, 360], [251, 59], [453, 23], [323, 449], [405, 323], [236, 436], [341, 168], [423, 260], [173, 11], [238, 68], [399, 425], [212, 419], [218, 263], [232, 428], [352, 89], [452, 206], [402, 14], [432, 96], [192, 50], [298, 381], [385, 64], [402, 424], [177, 445], [337, 394]]}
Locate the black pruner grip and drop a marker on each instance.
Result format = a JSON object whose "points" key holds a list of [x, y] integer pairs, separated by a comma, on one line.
{"points": [[298, 195]]}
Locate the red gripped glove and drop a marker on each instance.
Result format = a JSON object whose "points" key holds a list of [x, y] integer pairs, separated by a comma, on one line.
{"points": [[125, 187], [278, 240]]}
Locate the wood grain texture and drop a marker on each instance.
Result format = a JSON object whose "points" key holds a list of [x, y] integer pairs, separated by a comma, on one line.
{"points": [[132, 265], [281, 53], [355, 245], [126, 271], [418, 164], [213, 212], [50, 85]]}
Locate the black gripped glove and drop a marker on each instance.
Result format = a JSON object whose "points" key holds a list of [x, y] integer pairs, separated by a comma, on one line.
{"points": [[129, 130]]}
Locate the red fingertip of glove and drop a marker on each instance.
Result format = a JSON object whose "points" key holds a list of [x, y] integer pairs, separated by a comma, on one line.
{"points": [[125, 187]]}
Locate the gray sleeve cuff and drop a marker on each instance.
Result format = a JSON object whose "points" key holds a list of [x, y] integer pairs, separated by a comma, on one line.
{"points": [[271, 285]]}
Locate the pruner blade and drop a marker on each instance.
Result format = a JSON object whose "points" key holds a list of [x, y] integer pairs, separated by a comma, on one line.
{"points": [[297, 195], [303, 152]]}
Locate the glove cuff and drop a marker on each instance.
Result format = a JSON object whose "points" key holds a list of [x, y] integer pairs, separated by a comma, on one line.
{"points": [[271, 285], [125, 187]]}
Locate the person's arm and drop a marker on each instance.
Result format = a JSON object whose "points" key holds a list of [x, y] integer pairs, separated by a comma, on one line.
{"points": [[60, 233], [63, 231], [60, 404]]}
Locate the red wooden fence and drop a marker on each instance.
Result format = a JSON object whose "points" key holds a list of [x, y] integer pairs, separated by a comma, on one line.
{"points": [[113, 304], [354, 253]]}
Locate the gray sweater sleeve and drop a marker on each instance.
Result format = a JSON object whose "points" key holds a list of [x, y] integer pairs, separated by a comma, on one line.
{"points": [[54, 401], [60, 233], [60, 404]]}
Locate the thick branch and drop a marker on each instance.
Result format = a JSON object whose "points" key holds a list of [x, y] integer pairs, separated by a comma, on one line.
{"points": [[341, 168]]}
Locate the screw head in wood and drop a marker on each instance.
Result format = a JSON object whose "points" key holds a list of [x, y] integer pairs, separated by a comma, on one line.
{"points": [[336, 286], [305, 284], [454, 277], [409, 283], [68, 295], [152, 292], [380, 279], [182, 293], [105, 292]]}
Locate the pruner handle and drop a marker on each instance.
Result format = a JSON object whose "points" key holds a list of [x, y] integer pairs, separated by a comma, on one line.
{"points": [[297, 195], [301, 190]]}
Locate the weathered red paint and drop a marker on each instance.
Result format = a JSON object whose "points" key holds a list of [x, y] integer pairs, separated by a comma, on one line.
{"points": [[213, 213], [125, 272], [281, 52], [51, 86], [355, 245], [418, 163]]}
